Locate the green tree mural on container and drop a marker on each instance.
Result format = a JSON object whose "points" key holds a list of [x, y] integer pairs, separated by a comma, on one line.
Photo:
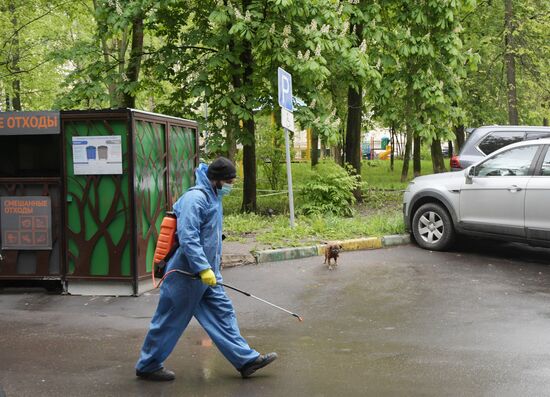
{"points": [[150, 187], [98, 209]]}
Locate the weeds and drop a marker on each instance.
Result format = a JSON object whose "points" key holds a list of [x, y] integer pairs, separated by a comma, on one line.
{"points": [[379, 214]]}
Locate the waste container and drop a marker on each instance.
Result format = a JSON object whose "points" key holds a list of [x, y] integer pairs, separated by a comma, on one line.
{"points": [[90, 196], [103, 152]]}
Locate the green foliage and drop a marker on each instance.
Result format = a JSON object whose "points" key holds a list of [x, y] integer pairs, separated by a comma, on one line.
{"points": [[380, 214], [485, 86], [29, 31], [422, 64], [329, 190]]}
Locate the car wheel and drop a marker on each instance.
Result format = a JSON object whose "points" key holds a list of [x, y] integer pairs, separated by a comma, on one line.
{"points": [[432, 227]]}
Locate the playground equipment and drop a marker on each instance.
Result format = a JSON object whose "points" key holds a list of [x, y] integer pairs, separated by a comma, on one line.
{"points": [[385, 154]]}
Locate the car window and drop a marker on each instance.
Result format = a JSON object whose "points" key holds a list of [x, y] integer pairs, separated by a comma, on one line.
{"points": [[531, 136], [497, 140], [513, 162], [545, 169]]}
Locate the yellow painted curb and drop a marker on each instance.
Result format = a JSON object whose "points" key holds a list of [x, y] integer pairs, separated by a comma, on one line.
{"points": [[321, 249], [368, 243]]}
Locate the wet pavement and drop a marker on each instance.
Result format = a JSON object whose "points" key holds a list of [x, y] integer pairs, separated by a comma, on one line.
{"points": [[390, 322]]}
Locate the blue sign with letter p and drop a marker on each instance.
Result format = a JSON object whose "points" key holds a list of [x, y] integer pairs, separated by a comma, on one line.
{"points": [[284, 80]]}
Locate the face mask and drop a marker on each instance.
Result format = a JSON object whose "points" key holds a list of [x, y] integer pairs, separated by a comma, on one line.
{"points": [[225, 189]]}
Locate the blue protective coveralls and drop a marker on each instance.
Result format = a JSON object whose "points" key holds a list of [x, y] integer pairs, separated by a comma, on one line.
{"points": [[199, 231]]}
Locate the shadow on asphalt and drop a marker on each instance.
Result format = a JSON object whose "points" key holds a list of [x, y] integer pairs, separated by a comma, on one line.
{"points": [[51, 287], [503, 249]]}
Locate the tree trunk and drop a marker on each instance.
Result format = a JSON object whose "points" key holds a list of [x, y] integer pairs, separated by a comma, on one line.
{"points": [[134, 64], [15, 69], [232, 128], [314, 148], [249, 168], [510, 62], [392, 142], [437, 157], [231, 140], [249, 148], [407, 156], [409, 132], [353, 134], [337, 154], [416, 156], [460, 137]]}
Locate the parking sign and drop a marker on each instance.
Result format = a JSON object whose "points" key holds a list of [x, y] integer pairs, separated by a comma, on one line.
{"points": [[284, 80]]}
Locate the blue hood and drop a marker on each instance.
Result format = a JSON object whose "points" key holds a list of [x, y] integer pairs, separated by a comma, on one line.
{"points": [[202, 181]]}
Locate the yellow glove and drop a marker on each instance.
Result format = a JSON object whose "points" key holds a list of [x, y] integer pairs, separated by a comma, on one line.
{"points": [[208, 277]]}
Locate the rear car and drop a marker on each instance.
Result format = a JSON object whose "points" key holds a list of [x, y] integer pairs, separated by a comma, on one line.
{"points": [[485, 140], [504, 196]]}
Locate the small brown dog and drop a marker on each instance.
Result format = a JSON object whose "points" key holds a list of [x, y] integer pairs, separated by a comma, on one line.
{"points": [[331, 252]]}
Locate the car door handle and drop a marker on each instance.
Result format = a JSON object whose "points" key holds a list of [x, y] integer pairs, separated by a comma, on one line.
{"points": [[514, 189]]}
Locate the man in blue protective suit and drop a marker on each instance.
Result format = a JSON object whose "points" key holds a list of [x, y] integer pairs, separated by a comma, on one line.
{"points": [[199, 228]]}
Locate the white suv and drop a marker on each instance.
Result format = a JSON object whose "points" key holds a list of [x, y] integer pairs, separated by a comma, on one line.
{"points": [[505, 196]]}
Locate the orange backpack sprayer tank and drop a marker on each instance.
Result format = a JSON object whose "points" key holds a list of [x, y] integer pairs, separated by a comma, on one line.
{"points": [[167, 243]]}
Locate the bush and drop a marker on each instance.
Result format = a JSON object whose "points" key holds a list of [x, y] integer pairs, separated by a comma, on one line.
{"points": [[329, 190]]}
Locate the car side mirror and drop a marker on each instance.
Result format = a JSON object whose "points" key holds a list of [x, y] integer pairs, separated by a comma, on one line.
{"points": [[470, 173]]}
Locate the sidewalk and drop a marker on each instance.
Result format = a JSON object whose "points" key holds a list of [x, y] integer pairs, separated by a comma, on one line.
{"points": [[250, 252], [238, 254]]}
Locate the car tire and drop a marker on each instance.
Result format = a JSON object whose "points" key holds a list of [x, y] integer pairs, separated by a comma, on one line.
{"points": [[432, 227]]}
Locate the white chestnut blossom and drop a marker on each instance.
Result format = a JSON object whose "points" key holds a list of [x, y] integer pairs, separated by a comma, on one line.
{"points": [[287, 30], [285, 43], [345, 28], [313, 25], [238, 14]]}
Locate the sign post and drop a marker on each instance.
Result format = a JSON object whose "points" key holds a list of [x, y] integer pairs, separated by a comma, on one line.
{"points": [[284, 80]]}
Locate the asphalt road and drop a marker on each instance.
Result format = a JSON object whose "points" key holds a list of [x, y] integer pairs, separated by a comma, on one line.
{"points": [[390, 322]]}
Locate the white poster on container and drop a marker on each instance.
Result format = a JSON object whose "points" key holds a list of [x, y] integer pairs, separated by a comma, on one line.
{"points": [[97, 155]]}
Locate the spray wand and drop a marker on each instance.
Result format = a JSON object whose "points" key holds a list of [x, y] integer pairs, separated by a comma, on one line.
{"points": [[193, 276]]}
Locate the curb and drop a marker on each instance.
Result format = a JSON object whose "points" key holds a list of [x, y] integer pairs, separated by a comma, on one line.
{"points": [[357, 244]]}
